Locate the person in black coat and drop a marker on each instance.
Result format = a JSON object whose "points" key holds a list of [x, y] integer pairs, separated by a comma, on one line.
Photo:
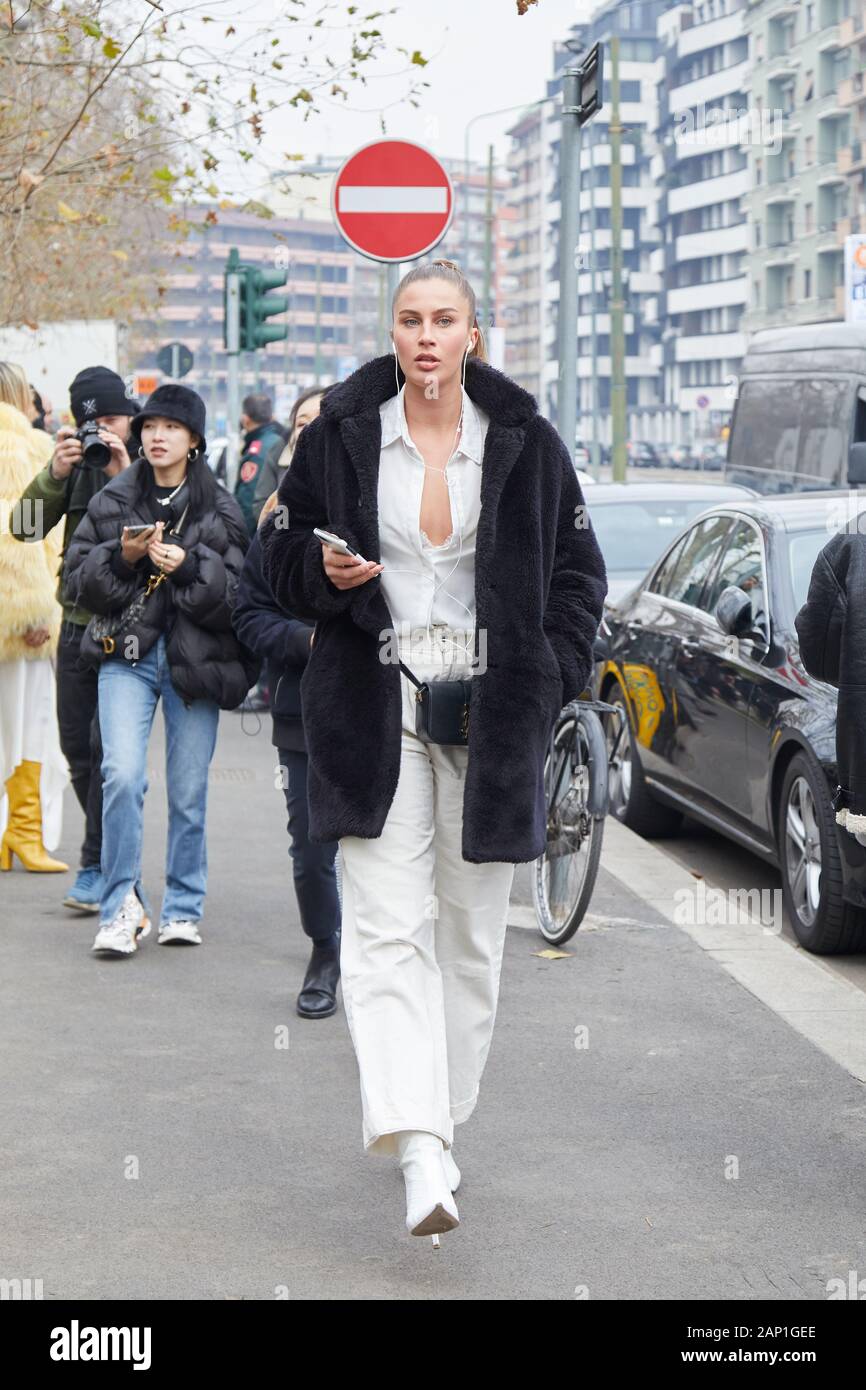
{"points": [[284, 642], [429, 834], [833, 649], [157, 559]]}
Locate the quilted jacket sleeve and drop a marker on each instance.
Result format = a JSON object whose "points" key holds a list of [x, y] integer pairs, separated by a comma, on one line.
{"points": [[578, 585], [95, 574], [291, 554], [821, 621]]}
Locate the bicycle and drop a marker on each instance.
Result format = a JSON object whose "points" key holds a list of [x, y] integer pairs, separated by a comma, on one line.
{"points": [[576, 800]]}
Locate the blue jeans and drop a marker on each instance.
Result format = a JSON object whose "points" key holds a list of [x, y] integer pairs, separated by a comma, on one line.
{"points": [[128, 695]]}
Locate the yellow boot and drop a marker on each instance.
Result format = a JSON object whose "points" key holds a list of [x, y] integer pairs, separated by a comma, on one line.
{"points": [[24, 827]]}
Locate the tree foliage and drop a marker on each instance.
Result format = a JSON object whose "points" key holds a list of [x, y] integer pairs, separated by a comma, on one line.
{"points": [[115, 114]]}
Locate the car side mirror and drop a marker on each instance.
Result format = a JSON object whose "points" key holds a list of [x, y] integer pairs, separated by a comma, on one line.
{"points": [[734, 611], [857, 464], [734, 616]]}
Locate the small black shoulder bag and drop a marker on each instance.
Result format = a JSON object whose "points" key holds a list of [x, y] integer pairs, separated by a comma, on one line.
{"points": [[441, 709]]}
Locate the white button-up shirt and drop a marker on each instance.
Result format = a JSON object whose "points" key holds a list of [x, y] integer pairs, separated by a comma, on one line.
{"points": [[423, 583]]}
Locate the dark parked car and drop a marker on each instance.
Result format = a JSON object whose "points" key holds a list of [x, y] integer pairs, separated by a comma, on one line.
{"points": [[635, 521], [723, 721]]}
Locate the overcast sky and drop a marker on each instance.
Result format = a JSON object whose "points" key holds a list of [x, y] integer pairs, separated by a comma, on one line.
{"points": [[481, 56]]}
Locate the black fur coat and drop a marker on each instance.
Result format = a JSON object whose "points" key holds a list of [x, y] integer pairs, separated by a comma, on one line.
{"points": [[540, 584]]}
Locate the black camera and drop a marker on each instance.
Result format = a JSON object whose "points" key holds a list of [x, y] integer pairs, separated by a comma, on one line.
{"points": [[95, 453]]}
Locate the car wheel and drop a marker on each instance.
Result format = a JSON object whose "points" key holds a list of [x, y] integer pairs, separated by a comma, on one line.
{"points": [[629, 798], [812, 879]]}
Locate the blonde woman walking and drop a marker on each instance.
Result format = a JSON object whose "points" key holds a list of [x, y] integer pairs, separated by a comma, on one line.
{"points": [[475, 561]]}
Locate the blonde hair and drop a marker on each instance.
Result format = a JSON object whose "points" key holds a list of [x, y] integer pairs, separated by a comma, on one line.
{"points": [[15, 388], [268, 507], [450, 271]]}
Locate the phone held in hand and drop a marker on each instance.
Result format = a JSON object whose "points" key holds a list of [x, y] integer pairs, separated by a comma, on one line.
{"points": [[139, 530], [337, 543]]}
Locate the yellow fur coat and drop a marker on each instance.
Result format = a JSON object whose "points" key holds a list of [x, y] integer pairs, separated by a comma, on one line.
{"points": [[28, 570]]}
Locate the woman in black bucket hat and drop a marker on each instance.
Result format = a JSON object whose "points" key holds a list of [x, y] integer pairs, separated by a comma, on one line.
{"points": [[157, 560]]}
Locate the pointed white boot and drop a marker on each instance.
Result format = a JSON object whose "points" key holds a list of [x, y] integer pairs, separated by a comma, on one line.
{"points": [[452, 1172], [430, 1207]]}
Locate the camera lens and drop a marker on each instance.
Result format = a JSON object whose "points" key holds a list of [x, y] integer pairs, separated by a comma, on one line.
{"points": [[95, 452]]}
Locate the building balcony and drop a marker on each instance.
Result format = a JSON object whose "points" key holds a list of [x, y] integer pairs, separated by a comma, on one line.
{"points": [[705, 347], [715, 242], [850, 226], [852, 29], [852, 90], [852, 157], [781, 65], [712, 294]]}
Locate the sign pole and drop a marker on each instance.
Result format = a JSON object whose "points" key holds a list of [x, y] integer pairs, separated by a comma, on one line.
{"points": [[569, 164], [233, 391]]}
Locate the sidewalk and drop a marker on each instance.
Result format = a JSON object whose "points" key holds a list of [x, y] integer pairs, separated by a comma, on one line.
{"points": [[604, 1168]]}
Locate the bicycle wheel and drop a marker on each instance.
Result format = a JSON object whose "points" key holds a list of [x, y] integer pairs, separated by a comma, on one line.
{"points": [[564, 875]]}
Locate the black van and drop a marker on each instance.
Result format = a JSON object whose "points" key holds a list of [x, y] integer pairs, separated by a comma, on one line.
{"points": [[799, 421]]}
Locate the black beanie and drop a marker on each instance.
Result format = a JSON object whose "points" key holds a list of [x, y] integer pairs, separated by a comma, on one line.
{"points": [[174, 402], [99, 391]]}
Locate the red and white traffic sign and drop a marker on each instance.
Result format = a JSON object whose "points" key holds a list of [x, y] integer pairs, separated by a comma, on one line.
{"points": [[392, 200]]}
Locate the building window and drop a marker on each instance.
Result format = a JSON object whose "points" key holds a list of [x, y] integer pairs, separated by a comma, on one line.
{"points": [[808, 86], [757, 234], [809, 144], [807, 284], [808, 218]]}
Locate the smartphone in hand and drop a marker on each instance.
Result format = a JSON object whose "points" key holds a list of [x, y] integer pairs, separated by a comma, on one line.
{"points": [[337, 543]]}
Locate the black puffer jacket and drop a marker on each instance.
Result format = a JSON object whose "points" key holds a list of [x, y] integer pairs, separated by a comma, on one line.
{"points": [[192, 607]]}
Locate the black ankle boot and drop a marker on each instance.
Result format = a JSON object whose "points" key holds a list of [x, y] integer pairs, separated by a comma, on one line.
{"points": [[318, 996]]}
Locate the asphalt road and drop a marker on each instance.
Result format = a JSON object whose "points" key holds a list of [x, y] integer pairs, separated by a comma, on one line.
{"points": [[155, 1143]]}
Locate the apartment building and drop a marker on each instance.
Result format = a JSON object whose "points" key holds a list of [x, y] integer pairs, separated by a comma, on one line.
{"points": [[800, 168], [532, 350], [703, 178], [852, 98]]}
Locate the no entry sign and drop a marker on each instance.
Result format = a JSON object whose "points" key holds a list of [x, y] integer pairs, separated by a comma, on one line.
{"points": [[392, 200]]}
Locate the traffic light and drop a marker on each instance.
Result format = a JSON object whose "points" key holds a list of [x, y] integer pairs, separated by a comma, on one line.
{"points": [[255, 304]]}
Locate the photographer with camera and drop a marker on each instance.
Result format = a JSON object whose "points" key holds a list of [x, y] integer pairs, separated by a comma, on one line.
{"points": [[86, 457]]}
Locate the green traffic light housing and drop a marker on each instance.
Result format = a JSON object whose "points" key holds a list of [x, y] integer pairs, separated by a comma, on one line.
{"points": [[256, 305]]}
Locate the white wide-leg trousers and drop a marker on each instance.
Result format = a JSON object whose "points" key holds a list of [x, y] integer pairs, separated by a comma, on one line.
{"points": [[423, 933]]}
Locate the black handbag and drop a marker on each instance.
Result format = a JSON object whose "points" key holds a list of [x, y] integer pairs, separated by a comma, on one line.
{"points": [[441, 709]]}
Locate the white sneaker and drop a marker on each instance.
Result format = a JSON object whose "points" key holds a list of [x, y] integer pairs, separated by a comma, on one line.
{"points": [[179, 932], [121, 937], [430, 1207]]}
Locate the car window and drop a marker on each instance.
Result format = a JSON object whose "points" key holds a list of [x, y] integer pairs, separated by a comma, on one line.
{"points": [[633, 533], [804, 547], [743, 565], [697, 560], [666, 569], [790, 434]]}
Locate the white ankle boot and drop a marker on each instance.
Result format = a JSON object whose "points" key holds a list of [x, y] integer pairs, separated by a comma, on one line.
{"points": [[452, 1172], [430, 1207]]}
